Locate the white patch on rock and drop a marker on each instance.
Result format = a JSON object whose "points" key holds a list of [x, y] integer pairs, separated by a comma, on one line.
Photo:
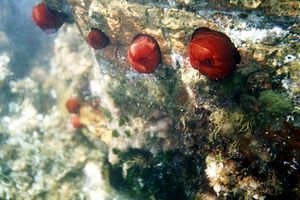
{"points": [[94, 183], [255, 35], [289, 58], [177, 59]]}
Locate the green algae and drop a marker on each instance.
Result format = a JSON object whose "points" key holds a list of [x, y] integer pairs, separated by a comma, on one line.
{"points": [[275, 103], [168, 175], [228, 123], [115, 133], [147, 95], [106, 112]]}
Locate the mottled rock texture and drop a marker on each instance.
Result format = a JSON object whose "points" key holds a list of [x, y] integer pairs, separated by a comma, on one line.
{"points": [[174, 134]]}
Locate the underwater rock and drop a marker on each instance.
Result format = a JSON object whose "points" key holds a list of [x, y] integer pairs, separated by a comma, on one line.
{"points": [[174, 133], [178, 116]]}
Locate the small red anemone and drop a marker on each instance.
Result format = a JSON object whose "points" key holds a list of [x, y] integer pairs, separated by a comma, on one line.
{"points": [[75, 121], [144, 53], [212, 53], [48, 20], [73, 105], [97, 39]]}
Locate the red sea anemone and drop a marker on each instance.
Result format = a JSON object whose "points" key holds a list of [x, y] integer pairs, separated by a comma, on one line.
{"points": [[73, 105], [212, 53], [75, 121], [144, 53], [48, 20], [97, 39]]}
